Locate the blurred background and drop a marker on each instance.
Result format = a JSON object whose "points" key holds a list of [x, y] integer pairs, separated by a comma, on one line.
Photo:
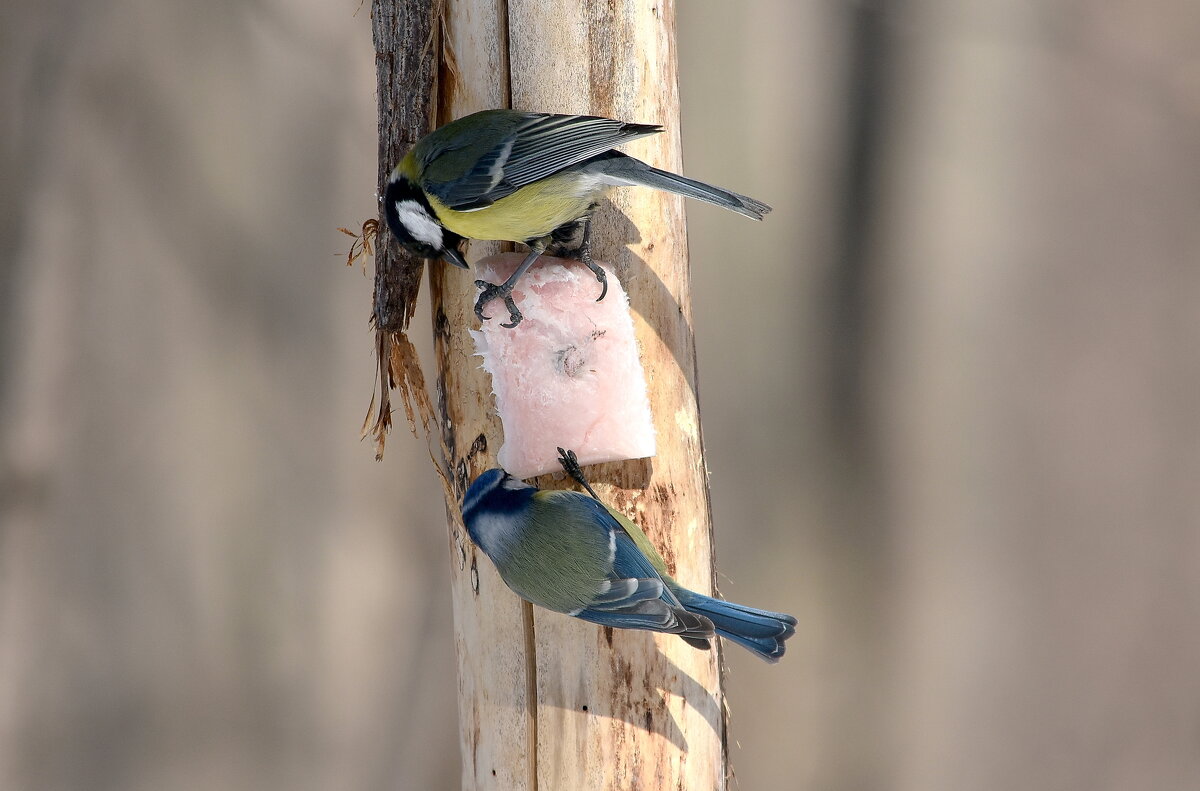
{"points": [[951, 392]]}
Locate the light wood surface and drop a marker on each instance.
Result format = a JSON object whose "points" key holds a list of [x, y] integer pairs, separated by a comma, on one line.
{"points": [[547, 701]]}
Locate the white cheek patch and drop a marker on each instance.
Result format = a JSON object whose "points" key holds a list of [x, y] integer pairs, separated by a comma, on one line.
{"points": [[417, 221], [499, 535], [488, 529]]}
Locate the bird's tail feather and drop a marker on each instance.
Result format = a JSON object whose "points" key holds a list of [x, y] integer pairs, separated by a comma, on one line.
{"points": [[760, 631], [623, 170], [654, 615]]}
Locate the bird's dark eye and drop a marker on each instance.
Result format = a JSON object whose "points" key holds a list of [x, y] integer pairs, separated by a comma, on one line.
{"points": [[423, 250]]}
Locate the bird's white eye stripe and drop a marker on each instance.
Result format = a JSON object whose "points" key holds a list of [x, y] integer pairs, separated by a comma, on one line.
{"points": [[476, 495], [471, 502], [417, 221]]}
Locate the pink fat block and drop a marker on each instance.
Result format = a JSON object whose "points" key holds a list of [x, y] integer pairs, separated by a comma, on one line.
{"points": [[568, 375]]}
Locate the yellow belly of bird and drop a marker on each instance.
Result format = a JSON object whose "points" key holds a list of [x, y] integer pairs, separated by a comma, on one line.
{"points": [[529, 213]]}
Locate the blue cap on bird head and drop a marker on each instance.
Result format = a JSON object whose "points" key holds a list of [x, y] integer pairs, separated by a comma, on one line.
{"points": [[415, 225], [497, 487]]}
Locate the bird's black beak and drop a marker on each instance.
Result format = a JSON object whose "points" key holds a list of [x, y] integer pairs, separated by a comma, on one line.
{"points": [[452, 256]]}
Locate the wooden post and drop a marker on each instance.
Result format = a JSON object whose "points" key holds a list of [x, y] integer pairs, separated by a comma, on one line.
{"points": [[406, 71], [546, 701]]}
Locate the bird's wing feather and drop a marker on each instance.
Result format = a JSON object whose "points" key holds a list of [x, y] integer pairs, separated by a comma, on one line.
{"points": [[634, 595], [564, 512], [629, 561], [538, 147], [639, 539], [652, 614], [655, 615], [622, 593], [633, 556]]}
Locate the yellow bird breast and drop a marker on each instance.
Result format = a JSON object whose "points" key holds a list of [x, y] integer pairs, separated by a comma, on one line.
{"points": [[531, 212]]}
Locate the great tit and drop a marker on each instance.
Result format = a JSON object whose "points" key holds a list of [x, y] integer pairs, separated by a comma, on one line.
{"points": [[523, 177], [570, 553]]}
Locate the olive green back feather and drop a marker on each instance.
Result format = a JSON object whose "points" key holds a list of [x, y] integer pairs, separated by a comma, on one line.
{"points": [[566, 555]]}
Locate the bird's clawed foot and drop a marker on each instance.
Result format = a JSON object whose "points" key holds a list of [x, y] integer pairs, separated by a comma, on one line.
{"points": [[585, 256], [570, 465], [492, 291]]}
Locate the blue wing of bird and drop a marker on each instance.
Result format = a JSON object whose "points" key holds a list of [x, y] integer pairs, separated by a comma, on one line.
{"points": [[539, 146], [636, 596], [582, 512]]}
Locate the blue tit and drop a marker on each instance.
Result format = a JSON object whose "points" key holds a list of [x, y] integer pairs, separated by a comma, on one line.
{"points": [[568, 552], [524, 177]]}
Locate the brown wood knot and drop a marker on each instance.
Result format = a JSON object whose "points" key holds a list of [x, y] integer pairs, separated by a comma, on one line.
{"points": [[664, 494], [478, 447], [441, 325], [475, 575], [460, 475], [668, 556]]}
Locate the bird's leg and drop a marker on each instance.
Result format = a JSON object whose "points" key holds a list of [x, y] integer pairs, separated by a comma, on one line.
{"points": [[504, 290], [570, 465], [585, 255]]}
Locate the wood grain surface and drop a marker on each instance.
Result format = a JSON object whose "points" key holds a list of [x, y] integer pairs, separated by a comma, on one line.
{"points": [[547, 701]]}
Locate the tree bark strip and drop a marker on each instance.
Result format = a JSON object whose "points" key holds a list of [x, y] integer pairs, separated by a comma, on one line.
{"points": [[406, 61]]}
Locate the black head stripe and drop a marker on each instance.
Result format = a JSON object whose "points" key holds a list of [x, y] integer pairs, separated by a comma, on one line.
{"points": [[400, 191], [481, 489]]}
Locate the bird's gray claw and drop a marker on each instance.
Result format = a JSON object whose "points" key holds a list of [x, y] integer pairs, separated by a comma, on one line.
{"points": [[598, 272], [492, 291], [570, 464], [483, 299], [514, 315], [603, 283]]}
